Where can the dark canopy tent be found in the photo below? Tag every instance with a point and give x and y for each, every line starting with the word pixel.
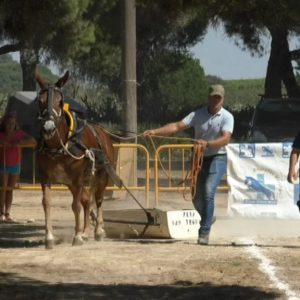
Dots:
pixel 27 110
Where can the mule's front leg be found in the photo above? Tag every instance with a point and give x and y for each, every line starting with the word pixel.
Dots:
pixel 99 230
pixel 76 207
pixel 46 201
pixel 86 203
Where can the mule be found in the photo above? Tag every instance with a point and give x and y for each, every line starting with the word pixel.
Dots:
pixel 78 156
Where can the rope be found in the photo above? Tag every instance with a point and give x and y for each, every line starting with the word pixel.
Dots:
pixel 88 153
pixel 160 163
pixel 196 165
pixel 120 137
pixel 142 135
pixel 91 155
pixel 196 162
pixel 175 138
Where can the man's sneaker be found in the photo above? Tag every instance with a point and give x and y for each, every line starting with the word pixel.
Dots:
pixel 213 220
pixel 203 239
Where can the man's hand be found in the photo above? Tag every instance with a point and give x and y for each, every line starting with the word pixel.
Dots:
pixel 292 176
pixel 298 204
pixel 149 133
pixel 203 143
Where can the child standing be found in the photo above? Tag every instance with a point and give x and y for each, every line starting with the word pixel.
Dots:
pixel 11 137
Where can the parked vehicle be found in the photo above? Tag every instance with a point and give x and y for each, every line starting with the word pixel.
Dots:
pixel 275 120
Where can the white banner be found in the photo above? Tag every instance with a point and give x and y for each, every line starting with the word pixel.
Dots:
pixel 258 187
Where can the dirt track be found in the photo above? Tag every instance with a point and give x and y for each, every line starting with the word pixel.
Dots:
pixel 230 268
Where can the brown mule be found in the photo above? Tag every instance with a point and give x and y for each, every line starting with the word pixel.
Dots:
pixel 79 158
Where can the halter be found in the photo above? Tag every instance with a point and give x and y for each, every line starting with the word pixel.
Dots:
pixel 50 112
pixel 49 117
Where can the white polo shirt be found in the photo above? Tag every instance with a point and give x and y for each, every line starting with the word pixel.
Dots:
pixel 209 127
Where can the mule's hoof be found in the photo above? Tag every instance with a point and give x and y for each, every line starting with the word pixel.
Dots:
pixel 100 236
pixel 77 241
pixel 85 237
pixel 49 244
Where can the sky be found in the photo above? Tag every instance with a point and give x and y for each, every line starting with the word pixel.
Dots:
pixel 219 56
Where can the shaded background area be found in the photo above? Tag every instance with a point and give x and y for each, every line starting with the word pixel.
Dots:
pixel 16 287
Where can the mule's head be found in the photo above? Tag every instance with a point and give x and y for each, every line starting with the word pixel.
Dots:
pixel 50 101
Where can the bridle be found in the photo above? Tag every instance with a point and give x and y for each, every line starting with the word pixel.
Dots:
pixel 49 116
pixel 50 112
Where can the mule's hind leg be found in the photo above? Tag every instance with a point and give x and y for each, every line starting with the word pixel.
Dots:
pixel 76 207
pixel 99 230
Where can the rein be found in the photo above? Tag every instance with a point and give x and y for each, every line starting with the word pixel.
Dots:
pixel 50 111
pixel 50 99
pixel 119 182
pixel 196 167
pixel 196 161
pixel 88 153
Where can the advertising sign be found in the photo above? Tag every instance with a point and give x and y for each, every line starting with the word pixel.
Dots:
pixel 257 177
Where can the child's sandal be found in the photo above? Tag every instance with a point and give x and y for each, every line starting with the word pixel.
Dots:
pixel 2 217
pixel 8 218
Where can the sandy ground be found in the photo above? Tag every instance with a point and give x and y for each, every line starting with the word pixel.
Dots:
pixel 246 259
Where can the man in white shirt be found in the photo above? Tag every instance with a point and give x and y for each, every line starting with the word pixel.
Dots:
pixel 293 166
pixel 213 126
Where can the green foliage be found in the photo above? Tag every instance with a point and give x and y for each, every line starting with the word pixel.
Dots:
pixel 160 26
pixel 55 29
pixel 101 105
pixel 181 87
pixel 101 65
pixel 174 84
pixel 47 73
pixel 11 75
pixel 168 24
pixel 242 93
pixel 185 88
pixel 3 102
pixel 249 22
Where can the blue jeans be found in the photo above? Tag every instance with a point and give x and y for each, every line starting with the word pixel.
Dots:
pixel 212 171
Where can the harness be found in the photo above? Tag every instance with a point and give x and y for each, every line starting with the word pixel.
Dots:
pixel 76 126
pixel 73 143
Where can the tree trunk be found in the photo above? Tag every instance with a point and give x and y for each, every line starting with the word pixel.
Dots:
pixel 28 61
pixel 273 77
pixel 280 68
pixel 289 78
pixel 129 66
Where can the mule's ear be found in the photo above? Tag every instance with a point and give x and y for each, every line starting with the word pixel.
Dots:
pixel 62 81
pixel 42 83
